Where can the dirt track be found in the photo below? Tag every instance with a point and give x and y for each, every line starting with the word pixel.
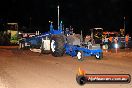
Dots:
pixel 25 69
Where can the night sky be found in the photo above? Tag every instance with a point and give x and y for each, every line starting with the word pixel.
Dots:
pixel 81 14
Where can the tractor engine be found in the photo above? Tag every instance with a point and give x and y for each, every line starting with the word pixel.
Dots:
pixel 73 39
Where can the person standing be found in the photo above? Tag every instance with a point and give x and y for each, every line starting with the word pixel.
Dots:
pixel 110 43
pixel 126 40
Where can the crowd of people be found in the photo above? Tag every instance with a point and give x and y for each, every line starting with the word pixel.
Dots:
pixel 110 40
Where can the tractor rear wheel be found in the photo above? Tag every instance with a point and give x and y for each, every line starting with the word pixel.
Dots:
pixel 57 45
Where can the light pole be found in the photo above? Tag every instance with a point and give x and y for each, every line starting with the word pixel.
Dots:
pixel 58 16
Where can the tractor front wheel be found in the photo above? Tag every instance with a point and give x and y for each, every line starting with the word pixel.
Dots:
pixel 99 56
pixel 80 55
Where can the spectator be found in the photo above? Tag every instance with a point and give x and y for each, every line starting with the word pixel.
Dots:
pixel 110 43
pixel 126 40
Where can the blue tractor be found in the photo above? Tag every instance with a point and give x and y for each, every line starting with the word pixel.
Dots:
pixel 60 42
